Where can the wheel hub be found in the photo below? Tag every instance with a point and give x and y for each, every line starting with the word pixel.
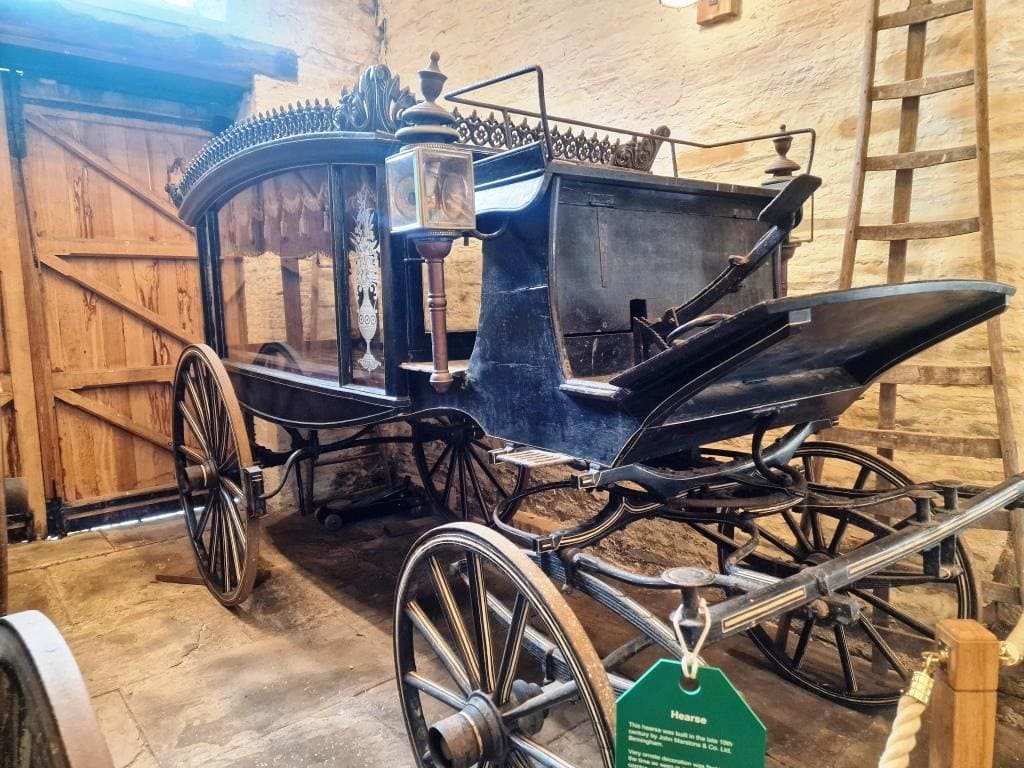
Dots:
pixel 200 477
pixel 472 735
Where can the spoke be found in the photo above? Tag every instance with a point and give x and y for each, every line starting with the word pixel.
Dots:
pixel 225 546
pixel 203 444
pixel 201 406
pixel 444 652
pixel 485 511
pixel 448 481
pixel 214 542
pixel 454 617
pixel 843 646
pixel 893 611
pixel 463 496
pixel 782 545
pixel 862 478
pixel 191 454
pixel 518 760
pixel 801 645
pixel 884 648
pixel 782 632
pixel 817 535
pixel 237 532
pixel 233 488
pixel 490 476
pixel 513 647
pixel 204 517
pixel 481 620
pixel 537 753
pixel 217 412
pixel 808 469
pixel 231 458
pixel 440 458
pixel 434 690
pixel 837 536
pixel 801 539
pixel 551 695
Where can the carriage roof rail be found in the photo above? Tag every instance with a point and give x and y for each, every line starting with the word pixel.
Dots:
pixel 638 153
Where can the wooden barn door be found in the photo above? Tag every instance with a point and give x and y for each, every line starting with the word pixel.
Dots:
pixel 114 292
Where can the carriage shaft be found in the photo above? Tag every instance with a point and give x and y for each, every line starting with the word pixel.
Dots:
pixel 744 612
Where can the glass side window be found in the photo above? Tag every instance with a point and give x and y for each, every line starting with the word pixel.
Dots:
pixel 277 275
pixel 362 250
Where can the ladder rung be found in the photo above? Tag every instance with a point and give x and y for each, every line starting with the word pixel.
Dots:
pixel 920 159
pixel 923 13
pixel 924 230
pixel 923 86
pixel 918 442
pixel 939 375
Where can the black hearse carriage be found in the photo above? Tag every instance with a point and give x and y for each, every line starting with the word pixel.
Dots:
pixel 628 321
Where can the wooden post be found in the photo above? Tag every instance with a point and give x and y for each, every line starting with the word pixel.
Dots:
pixel 16 327
pixel 963 705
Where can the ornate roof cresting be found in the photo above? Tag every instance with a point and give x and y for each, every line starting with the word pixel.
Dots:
pixel 637 153
pixel 376 104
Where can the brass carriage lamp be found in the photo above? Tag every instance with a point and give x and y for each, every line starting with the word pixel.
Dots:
pixel 430 193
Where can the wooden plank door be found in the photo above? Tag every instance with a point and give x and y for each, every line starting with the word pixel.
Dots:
pixel 118 291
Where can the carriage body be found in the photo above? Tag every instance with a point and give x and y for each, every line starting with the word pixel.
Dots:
pixel 627 321
pixel 317 310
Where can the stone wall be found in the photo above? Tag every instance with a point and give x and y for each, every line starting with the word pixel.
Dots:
pixel 640 65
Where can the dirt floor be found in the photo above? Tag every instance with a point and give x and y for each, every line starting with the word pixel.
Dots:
pixel 302 675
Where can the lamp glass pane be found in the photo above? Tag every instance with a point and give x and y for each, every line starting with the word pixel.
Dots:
pixel 401 181
pixel 448 190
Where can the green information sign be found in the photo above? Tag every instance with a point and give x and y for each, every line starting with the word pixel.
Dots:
pixel 660 725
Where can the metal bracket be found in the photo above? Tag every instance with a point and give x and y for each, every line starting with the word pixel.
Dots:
pixel 252 484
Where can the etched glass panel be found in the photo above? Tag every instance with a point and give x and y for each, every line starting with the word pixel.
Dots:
pixel 277 275
pixel 362 249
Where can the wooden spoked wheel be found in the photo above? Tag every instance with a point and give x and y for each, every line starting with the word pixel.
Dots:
pixel 46 716
pixel 211 452
pixel 494 668
pixel 867 661
pixel 451 457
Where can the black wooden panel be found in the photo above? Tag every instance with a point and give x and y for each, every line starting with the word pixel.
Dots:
pixel 618 244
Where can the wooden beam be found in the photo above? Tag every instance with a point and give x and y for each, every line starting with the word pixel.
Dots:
pixel 110 416
pixel 123 249
pixel 918 442
pixel 939 375
pixel 14 255
pixel 57 134
pixel 923 230
pixel 922 13
pixel 145 314
pixel 157 374
pixel 920 159
pixel 923 86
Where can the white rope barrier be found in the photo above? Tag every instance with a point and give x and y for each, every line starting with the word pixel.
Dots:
pixel 903 737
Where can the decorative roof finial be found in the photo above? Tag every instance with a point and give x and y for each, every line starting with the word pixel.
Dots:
pixel 428 122
pixel 782 168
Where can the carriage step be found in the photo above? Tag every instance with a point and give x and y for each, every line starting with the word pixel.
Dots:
pixel 530 458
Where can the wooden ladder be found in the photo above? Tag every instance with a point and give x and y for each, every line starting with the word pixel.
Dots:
pixel 901 230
